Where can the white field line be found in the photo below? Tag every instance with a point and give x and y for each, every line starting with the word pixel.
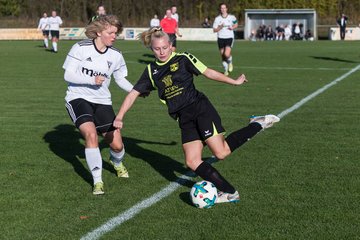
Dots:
pixel 173 186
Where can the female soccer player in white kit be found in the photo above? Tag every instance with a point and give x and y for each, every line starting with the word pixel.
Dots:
pixel 44 27
pixel 224 26
pixel 88 69
pixel 54 23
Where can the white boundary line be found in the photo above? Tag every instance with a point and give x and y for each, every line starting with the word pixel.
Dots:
pixel 173 186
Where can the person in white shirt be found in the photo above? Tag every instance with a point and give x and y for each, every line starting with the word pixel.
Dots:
pixel 54 23
pixel 88 69
pixel 155 21
pixel 287 33
pixel 174 13
pixel 224 26
pixel 44 27
pixel 100 11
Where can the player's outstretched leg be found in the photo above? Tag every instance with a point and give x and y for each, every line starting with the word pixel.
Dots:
pixel 266 121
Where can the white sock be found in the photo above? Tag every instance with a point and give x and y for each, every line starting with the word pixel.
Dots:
pixel 46 42
pixel 94 162
pixel 54 44
pixel 229 60
pixel 226 66
pixel 117 157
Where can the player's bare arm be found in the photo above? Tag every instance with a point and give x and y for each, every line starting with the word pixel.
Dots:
pixel 217 76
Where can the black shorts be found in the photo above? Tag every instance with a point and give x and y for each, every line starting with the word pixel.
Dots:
pixel 225 42
pixel 172 39
pixel 55 33
pixel 81 111
pixel 45 32
pixel 199 121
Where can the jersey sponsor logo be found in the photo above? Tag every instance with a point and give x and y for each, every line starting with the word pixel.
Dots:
pixel 167 81
pixel 109 64
pixel 93 73
pixel 174 67
pixel 89 59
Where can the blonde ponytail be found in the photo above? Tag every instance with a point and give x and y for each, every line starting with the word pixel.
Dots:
pixel 155 32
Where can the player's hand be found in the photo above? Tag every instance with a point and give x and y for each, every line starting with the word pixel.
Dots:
pixel 118 123
pixel 240 80
pixel 99 80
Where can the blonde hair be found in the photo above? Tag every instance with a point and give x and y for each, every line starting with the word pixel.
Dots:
pixel 151 34
pixel 101 23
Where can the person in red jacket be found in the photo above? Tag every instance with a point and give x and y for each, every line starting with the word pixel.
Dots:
pixel 169 25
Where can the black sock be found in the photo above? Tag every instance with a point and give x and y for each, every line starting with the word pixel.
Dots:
pixel 239 137
pixel 209 173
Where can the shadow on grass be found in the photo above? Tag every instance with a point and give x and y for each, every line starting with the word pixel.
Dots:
pixel 64 141
pixel 333 59
pixel 147 61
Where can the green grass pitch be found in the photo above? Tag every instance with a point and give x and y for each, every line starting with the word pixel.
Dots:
pixel 298 180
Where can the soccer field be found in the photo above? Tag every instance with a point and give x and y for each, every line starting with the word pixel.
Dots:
pixel 297 180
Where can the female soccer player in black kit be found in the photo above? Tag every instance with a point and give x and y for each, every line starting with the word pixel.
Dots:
pixel 172 75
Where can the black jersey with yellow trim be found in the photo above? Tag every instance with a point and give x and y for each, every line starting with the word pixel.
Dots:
pixel 174 80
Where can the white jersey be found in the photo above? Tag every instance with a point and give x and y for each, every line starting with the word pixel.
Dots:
pixel 228 21
pixel 84 62
pixel 155 22
pixel 43 24
pixel 175 16
pixel 54 23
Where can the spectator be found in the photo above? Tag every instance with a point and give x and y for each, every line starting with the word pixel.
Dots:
pixel 206 23
pixel 287 32
pixel 280 32
pixel 174 13
pixel 269 33
pixel 342 24
pixel 99 12
pixel 155 22
pixel 297 31
pixel 44 27
pixel 308 35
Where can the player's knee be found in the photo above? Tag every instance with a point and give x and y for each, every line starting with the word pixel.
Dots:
pixel 221 155
pixel 91 138
pixel 192 163
pixel 117 147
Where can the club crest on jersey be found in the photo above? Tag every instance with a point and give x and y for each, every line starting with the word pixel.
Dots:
pixel 174 67
pixel 109 64
pixel 167 81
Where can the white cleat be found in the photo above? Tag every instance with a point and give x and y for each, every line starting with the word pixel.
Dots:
pixel 227 197
pixel 265 121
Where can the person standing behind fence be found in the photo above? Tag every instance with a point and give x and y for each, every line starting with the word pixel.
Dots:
pixel 99 12
pixel 342 23
pixel 54 26
pixel 155 22
pixel 44 27
pixel 224 26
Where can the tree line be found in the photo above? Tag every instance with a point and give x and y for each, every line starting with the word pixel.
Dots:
pixel 26 13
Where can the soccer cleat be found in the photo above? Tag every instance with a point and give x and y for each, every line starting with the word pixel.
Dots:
pixel 227 197
pixel 265 121
pixel 98 188
pixel 121 170
pixel 226 73
pixel 231 67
